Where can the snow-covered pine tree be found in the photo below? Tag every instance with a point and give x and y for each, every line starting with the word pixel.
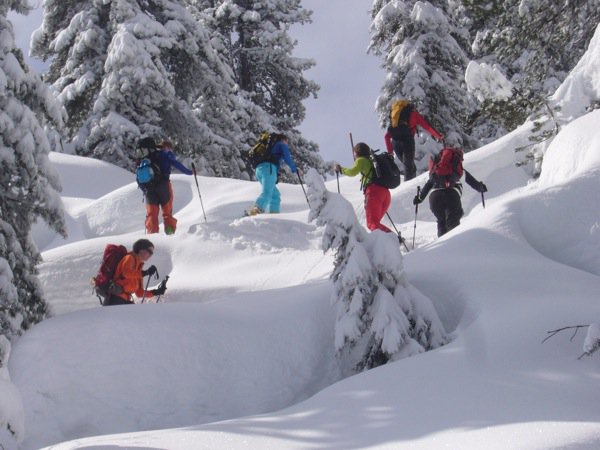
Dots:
pixel 255 40
pixel 29 120
pixel 425 55
pixel 380 316
pixel 125 69
pixel 535 43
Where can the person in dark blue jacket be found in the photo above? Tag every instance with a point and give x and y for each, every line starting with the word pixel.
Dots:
pixel 160 194
pixel 266 172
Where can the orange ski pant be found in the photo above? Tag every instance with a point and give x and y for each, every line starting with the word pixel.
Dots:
pixel 153 206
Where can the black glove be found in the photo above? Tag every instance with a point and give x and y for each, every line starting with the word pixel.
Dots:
pixel 159 291
pixel 417 200
pixel 152 270
pixel 482 187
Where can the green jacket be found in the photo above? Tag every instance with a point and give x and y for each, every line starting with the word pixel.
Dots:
pixel 362 165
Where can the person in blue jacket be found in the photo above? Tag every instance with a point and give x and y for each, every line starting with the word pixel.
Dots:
pixel 160 194
pixel 266 172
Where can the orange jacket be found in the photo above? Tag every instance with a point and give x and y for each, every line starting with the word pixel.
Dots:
pixel 128 275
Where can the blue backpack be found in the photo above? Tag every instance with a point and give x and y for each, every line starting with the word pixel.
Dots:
pixel 148 172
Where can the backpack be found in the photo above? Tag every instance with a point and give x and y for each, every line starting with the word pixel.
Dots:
pixel 261 152
pixel 400 113
pixel 104 286
pixel 445 169
pixel 385 171
pixel 148 171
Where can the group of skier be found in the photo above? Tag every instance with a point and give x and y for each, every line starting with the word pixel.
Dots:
pixel 445 171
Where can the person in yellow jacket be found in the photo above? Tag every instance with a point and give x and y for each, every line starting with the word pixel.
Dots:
pixel 377 198
pixel 130 273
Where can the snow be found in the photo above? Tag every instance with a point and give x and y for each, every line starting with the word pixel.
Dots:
pixel 240 354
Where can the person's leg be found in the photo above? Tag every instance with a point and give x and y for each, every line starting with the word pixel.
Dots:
pixel 405 151
pixel 151 218
pixel 377 201
pixel 275 203
pixel 437 204
pixel 454 210
pixel 169 222
pixel 266 174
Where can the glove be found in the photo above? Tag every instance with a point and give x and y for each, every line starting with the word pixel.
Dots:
pixel 337 168
pixel 417 200
pixel 152 270
pixel 159 291
pixel 482 187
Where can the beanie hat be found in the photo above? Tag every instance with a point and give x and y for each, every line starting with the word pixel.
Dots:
pixel 147 142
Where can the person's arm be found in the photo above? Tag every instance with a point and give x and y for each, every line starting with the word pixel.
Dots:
pixel 474 183
pixel 388 143
pixel 131 276
pixel 361 165
pixel 173 161
pixel 287 157
pixel 423 193
pixel 418 119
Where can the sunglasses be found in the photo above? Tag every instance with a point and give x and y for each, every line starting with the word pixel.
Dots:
pixel 150 251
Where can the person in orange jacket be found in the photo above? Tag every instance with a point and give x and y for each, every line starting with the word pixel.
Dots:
pixel 401 139
pixel 130 273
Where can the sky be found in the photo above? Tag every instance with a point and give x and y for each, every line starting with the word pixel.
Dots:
pixel 239 352
pixel 349 78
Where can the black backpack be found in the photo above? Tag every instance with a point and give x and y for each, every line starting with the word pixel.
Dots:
pixel 385 171
pixel 261 152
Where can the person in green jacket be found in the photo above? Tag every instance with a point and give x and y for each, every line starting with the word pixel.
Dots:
pixel 377 198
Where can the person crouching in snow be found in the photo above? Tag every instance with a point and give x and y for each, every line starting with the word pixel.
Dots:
pixel 267 172
pixel 130 273
pixel 160 194
pixel 377 198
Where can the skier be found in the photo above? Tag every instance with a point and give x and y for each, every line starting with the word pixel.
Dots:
pixel 130 272
pixel 400 135
pixel 267 173
pixel 377 198
pixel 159 195
pixel 445 171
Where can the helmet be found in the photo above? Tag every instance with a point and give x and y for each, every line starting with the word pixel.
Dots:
pixel 147 142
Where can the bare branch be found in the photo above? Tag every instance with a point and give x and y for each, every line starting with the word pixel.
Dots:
pixel 554 332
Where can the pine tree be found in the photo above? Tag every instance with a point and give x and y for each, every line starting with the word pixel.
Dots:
pixel 424 53
pixel 126 69
pixel 255 41
pixel 380 316
pixel 536 43
pixel 29 122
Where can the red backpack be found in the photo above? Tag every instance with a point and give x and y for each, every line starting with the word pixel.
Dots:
pixel 445 169
pixel 104 286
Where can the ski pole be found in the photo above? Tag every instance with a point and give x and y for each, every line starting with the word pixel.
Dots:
pixel 199 194
pixel 483 200
pixel 303 190
pixel 351 141
pixel 145 289
pixel 162 284
pixel 397 232
pixel 337 176
pixel 416 211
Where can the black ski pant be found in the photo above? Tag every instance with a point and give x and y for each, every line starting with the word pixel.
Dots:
pixel 116 300
pixel 404 147
pixel 446 206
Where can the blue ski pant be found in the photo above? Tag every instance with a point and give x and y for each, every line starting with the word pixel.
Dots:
pixel 269 199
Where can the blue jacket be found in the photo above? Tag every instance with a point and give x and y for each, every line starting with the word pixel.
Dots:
pixel 282 152
pixel 167 159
